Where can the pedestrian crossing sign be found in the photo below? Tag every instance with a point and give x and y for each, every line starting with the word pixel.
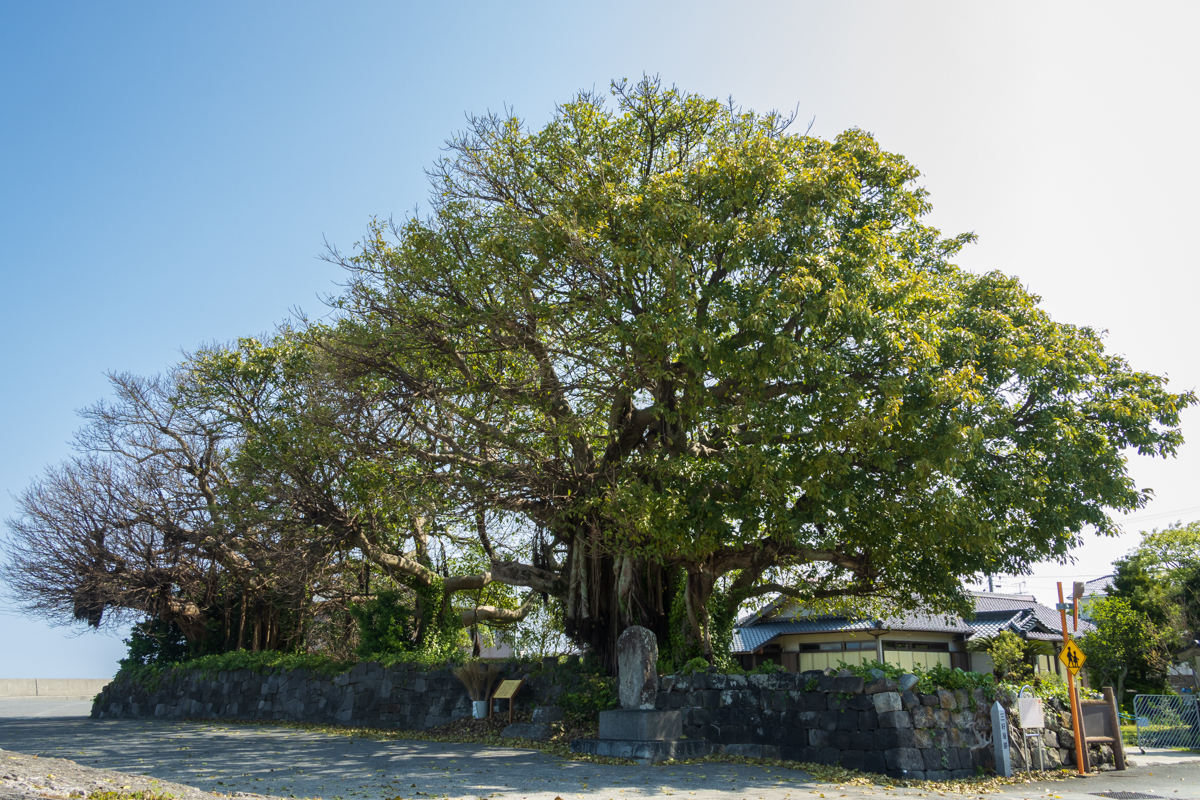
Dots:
pixel 1072 657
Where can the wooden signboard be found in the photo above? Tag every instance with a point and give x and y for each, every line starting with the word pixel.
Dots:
pixel 507 690
pixel 1101 725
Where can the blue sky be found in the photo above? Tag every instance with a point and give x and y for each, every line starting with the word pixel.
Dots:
pixel 170 171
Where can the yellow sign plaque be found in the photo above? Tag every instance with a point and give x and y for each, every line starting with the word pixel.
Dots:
pixel 1072 657
pixel 507 690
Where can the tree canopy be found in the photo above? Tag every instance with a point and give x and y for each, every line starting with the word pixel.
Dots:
pixel 658 358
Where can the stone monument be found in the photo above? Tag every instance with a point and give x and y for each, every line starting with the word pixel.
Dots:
pixel 1000 740
pixel 637 730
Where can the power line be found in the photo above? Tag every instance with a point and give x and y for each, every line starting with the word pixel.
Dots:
pixel 1161 514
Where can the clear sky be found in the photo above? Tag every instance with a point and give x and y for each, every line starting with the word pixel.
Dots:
pixel 169 171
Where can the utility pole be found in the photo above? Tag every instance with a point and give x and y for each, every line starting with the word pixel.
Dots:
pixel 1076 722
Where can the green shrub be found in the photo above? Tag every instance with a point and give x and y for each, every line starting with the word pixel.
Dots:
pixel 386 625
pixel 156 643
pixel 766 668
pixel 593 694
pixel 697 664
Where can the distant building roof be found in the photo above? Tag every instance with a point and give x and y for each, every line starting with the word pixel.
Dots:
pixel 1099 586
pixel 757 630
pixel 1021 614
pixel 994 612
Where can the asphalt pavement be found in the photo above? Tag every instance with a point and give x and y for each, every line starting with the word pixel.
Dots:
pixel 294 763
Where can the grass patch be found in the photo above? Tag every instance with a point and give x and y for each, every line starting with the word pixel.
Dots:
pixel 143 794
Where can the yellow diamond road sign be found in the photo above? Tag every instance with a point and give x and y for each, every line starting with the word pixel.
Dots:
pixel 1072 656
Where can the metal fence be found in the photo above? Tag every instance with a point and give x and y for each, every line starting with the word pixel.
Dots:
pixel 1167 720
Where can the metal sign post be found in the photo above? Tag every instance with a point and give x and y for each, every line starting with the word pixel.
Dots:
pixel 1073 666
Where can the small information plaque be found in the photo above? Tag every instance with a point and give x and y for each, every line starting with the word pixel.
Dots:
pixel 507 690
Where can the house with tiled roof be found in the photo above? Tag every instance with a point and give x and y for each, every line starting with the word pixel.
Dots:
pixel 1024 616
pixel 796 638
pixel 799 639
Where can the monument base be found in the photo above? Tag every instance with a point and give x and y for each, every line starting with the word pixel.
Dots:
pixel 641 725
pixel 647 752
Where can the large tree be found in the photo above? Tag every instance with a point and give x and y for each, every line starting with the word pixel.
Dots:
pixel 713 360
pixel 644 364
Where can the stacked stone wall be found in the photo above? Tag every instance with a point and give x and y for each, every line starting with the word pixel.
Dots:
pixel 367 695
pixel 878 726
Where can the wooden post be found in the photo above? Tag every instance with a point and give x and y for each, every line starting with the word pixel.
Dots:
pixel 1076 720
pixel 1118 743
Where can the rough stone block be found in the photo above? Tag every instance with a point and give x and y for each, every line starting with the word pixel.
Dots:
pixel 880 685
pixel 904 758
pixel 544 715
pixel 892 738
pixel 936 759
pixel 874 761
pixel 887 702
pixel 907 681
pixel 852 759
pixel 641 725
pixel 910 700
pixel 861 702
pixel 929 700
pixel 862 740
pixel 829 755
pixel 946 699
pixel 895 719
pixel 868 720
pixel 849 685
pixel 937 774
pixel 922 717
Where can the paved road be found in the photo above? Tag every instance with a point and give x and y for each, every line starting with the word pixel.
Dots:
pixel 43 707
pixel 290 763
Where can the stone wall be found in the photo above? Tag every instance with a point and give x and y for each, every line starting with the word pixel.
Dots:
pixel 368 695
pixel 813 717
pixel 877 726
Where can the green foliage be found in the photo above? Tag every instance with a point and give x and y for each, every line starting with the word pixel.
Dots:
pixel 866 668
pixel 1161 578
pixel 154 643
pixel 694 665
pixel 928 680
pixel 593 694
pixel 767 668
pixel 386 626
pixel 1010 655
pixel 141 794
pixel 1126 644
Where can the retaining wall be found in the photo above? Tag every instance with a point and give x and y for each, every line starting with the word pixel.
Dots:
pixel 368 695
pixel 60 688
pixel 871 726
pixel 809 717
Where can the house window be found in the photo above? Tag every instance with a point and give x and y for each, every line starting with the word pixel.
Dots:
pixel 910 655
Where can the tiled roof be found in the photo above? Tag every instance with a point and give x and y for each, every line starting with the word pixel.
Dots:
pixel 1021 614
pixel 994 613
pixel 749 637
pixel 1099 585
